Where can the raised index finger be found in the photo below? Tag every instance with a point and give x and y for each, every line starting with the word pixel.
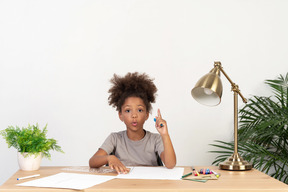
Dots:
pixel 159 114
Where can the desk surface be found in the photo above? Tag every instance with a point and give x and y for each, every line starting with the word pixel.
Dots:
pixel 239 181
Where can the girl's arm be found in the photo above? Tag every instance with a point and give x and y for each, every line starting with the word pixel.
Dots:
pixel 168 156
pixel 101 158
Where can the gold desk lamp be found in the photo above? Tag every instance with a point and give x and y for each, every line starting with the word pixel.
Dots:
pixel 208 91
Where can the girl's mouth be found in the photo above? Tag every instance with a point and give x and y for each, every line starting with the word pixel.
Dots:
pixel 134 123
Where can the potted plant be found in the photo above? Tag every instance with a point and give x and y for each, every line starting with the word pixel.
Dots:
pixel 31 143
pixel 263 132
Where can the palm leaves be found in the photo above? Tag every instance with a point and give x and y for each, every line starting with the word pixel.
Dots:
pixel 263 132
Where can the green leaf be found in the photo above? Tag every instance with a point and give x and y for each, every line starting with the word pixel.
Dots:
pixel 30 139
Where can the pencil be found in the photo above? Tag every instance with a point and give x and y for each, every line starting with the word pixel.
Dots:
pixel 187 175
pixel 27 177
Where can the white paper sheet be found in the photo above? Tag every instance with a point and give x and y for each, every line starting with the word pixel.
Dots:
pixel 68 181
pixel 153 173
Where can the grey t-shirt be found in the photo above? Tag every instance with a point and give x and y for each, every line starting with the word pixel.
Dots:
pixel 134 153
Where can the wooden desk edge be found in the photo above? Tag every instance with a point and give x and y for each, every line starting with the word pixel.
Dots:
pixel 264 181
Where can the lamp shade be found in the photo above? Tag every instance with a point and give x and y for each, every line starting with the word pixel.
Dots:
pixel 208 90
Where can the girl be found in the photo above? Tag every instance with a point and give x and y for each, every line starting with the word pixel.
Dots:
pixel 132 96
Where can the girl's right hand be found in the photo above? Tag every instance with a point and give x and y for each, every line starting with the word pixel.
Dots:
pixel 116 164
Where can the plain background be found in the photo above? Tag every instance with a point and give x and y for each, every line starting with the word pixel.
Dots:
pixel 57 57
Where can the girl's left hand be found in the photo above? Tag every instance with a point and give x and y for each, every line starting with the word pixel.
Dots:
pixel 161 124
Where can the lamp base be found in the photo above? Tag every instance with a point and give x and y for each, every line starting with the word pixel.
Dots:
pixel 235 163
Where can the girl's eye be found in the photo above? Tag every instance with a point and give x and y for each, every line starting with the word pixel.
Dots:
pixel 140 110
pixel 127 110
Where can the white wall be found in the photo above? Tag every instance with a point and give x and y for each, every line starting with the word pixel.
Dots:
pixel 56 59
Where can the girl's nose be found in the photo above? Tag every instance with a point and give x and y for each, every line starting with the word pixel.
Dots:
pixel 134 115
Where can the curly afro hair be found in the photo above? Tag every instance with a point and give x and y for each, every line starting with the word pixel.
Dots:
pixel 132 85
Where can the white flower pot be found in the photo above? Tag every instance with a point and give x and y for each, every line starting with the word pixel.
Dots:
pixel 29 162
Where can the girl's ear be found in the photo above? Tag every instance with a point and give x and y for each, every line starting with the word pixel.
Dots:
pixel 147 116
pixel 120 115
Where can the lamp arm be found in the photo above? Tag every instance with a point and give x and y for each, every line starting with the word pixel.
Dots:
pixel 235 87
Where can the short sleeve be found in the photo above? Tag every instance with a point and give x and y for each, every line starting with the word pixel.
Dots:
pixel 109 144
pixel 159 147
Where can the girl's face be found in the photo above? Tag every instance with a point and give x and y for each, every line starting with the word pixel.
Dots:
pixel 133 113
